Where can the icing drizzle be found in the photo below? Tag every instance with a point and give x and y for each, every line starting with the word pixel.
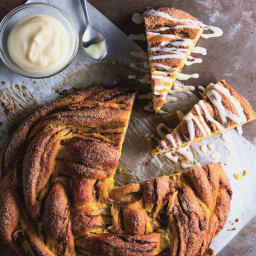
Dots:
pixel 173 46
pixel 203 120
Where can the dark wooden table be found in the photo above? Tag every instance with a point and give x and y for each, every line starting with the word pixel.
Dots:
pixel 119 12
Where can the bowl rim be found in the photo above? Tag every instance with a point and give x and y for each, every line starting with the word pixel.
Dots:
pixel 64 14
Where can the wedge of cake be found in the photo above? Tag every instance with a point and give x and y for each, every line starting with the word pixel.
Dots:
pixel 171 36
pixel 222 108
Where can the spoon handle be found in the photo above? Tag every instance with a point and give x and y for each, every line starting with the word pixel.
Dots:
pixel 85 9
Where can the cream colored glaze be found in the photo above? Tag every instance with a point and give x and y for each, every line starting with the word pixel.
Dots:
pixel 38 43
pixel 211 146
pixel 137 18
pixel 160 130
pixel 96 51
pixel 213 94
pixel 199 50
pixel 239 130
pixel 216 32
pixel 215 156
pixel 182 76
pixel 137 37
pixel 192 60
pixel 203 148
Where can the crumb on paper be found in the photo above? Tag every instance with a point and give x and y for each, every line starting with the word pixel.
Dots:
pixel 238 176
pixel 236 220
pixel 245 173
pixel 120 170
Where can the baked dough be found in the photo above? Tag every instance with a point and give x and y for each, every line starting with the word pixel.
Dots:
pixel 222 108
pixel 171 35
pixel 57 194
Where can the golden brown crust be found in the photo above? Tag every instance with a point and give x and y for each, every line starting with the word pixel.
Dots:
pixel 76 141
pixel 187 208
pixel 216 126
pixel 181 31
pixel 69 206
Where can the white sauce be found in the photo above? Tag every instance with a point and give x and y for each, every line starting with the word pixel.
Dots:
pixel 216 32
pixel 215 156
pixel 97 51
pixel 199 50
pixel 138 67
pixel 191 60
pixel 211 146
pixel 223 137
pixel 203 148
pixel 179 114
pixel 39 43
pixel 201 88
pixel 239 130
pixel 131 77
pixel 182 76
pixel 137 18
pixel 181 88
pixel 172 157
pixel 171 99
pixel 137 37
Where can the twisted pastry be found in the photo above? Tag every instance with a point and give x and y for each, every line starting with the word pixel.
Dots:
pixel 57 196
pixel 57 169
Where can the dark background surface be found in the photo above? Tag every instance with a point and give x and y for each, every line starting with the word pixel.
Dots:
pixel 240 61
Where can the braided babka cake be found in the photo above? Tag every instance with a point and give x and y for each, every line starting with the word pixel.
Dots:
pixel 57 194
pixel 171 35
pixel 222 108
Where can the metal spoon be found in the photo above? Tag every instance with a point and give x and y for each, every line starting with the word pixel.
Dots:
pixel 93 41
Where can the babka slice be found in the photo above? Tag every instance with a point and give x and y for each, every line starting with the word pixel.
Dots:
pixel 171 36
pixel 222 108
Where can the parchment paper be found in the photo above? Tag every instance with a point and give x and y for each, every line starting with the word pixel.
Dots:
pixel 19 96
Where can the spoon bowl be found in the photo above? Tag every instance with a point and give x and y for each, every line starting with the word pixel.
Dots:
pixel 93 41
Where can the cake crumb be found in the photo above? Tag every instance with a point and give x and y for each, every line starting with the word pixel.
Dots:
pixel 238 176
pixel 120 170
pixel 245 173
